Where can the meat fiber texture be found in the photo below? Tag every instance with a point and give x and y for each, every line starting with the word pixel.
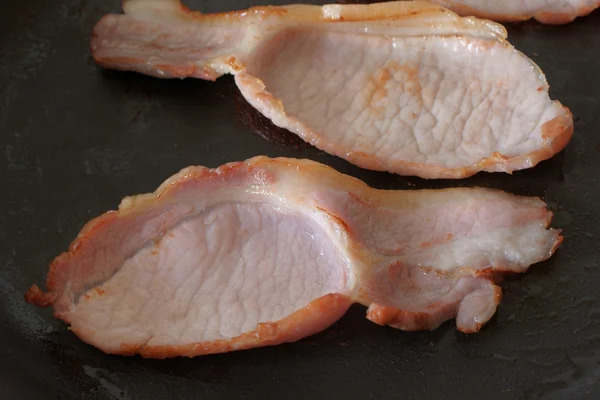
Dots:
pixel 405 87
pixel 554 12
pixel 267 251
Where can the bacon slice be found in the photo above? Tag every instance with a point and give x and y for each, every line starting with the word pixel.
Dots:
pixel 554 12
pixel 268 251
pixel 405 87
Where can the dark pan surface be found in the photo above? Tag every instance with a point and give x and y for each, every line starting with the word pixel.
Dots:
pixel 74 140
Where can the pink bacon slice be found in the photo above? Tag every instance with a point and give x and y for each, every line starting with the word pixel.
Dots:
pixel 554 12
pixel 405 87
pixel 267 251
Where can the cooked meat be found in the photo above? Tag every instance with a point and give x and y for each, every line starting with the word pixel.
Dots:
pixel 545 11
pixel 405 87
pixel 267 251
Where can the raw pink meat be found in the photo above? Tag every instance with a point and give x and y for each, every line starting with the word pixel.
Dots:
pixel 268 251
pixel 405 87
pixel 546 11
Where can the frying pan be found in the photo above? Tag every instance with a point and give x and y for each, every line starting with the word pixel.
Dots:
pixel 76 139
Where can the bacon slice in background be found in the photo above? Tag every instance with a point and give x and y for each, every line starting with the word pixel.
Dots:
pixel 556 12
pixel 405 87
